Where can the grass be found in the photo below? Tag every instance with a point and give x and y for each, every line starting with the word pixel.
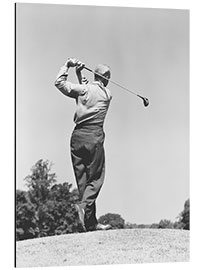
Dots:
pixel 123 246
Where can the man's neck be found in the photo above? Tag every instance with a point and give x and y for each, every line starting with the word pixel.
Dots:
pixel 99 82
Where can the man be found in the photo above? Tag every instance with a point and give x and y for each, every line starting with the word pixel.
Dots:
pixel 87 151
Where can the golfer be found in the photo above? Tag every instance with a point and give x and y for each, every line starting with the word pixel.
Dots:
pixel 87 150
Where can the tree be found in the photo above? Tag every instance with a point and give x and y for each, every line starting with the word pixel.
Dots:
pixel 129 225
pixel 178 225
pixel 46 208
pixel 165 224
pixel 26 220
pixel 184 216
pixel 40 181
pixel 154 226
pixel 115 220
pixel 60 214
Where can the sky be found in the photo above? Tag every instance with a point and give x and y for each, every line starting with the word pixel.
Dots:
pixel 147 149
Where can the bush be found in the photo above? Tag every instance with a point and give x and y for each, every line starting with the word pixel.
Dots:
pixel 26 220
pixel 165 224
pixel 46 208
pixel 154 226
pixel 115 220
pixel 129 225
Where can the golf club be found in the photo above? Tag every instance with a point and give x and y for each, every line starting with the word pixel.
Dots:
pixel 145 100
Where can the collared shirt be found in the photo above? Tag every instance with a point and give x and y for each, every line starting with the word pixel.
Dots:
pixel 92 100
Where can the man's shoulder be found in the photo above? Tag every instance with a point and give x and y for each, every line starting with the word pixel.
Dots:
pixel 93 86
pixel 108 92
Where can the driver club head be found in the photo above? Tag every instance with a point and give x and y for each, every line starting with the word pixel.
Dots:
pixel 145 100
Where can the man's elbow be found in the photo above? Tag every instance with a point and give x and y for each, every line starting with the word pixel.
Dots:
pixel 56 83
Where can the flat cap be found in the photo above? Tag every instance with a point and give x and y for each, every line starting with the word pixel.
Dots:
pixel 102 69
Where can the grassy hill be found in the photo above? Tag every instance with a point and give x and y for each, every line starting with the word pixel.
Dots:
pixel 105 247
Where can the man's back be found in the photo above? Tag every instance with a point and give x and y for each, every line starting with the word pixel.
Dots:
pixel 92 106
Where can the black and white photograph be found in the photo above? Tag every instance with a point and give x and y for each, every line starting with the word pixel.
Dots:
pixel 102 135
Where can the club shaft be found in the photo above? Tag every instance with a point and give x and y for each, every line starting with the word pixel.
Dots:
pixel 126 89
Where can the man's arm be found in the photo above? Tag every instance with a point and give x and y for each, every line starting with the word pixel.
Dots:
pixel 67 88
pixel 82 79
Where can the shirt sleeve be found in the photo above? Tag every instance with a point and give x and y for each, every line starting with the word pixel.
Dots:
pixel 67 88
pixel 109 94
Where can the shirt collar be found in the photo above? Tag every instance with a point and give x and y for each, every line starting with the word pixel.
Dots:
pixel 102 87
pixel 97 82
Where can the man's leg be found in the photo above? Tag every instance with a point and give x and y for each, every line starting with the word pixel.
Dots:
pixel 88 159
pixel 80 173
pixel 81 179
pixel 95 179
pixel 77 156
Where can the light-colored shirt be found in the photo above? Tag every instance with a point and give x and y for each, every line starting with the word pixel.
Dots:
pixel 92 99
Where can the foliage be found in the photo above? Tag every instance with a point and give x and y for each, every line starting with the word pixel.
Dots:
pixel 182 223
pixel 184 217
pixel 46 208
pixel 165 224
pixel 115 220
pixel 178 225
pixel 26 225
pixel 40 181
pixel 154 226
pixel 58 216
pixel 129 225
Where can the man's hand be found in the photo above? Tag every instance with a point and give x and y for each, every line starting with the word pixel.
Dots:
pixel 72 62
pixel 79 67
